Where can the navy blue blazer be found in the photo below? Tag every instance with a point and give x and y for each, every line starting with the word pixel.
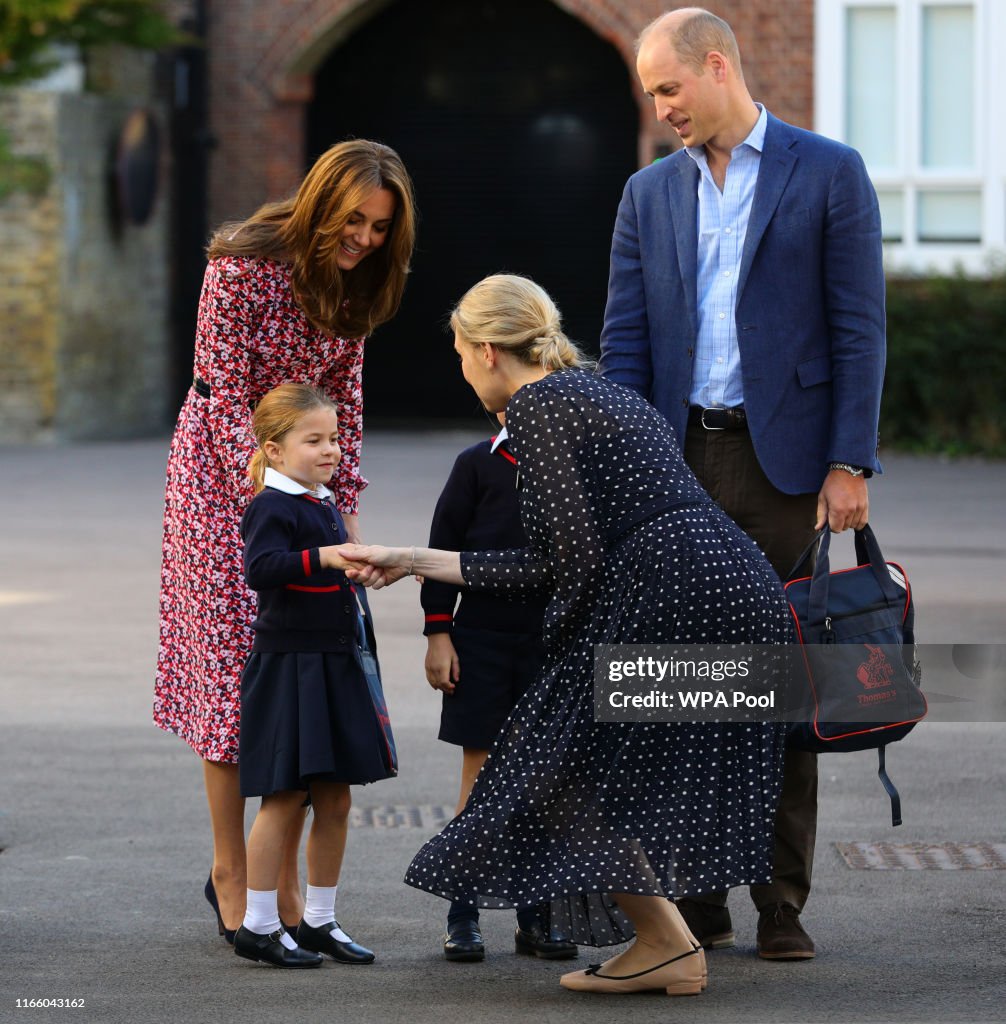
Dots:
pixel 810 303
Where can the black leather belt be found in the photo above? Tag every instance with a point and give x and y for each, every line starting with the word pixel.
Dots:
pixel 204 390
pixel 718 418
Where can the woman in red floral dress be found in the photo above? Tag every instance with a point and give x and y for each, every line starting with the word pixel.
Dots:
pixel 288 295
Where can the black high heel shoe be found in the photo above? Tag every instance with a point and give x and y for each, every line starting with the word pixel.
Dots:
pixel 210 893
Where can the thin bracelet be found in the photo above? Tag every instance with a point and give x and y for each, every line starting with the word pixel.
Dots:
pixel 413 562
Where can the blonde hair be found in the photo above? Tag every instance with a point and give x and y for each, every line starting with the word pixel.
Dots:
pixel 694 36
pixel 305 231
pixel 276 415
pixel 514 314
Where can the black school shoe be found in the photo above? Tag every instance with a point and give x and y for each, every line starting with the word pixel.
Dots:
pixel 535 941
pixel 463 941
pixel 268 949
pixel 321 940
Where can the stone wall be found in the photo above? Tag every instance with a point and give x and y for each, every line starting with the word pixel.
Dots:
pixel 30 256
pixel 83 297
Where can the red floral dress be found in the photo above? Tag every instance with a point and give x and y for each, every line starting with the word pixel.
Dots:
pixel 251 336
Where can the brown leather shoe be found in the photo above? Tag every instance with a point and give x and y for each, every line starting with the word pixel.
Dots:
pixel 710 924
pixel 780 934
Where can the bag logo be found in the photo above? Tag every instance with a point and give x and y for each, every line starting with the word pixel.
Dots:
pixel 874 673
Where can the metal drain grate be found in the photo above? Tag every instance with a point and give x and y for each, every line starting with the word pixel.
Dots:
pixel 429 817
pixel 924 856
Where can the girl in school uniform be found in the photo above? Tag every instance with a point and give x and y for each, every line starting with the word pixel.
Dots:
pixel 308 723
pixel 483 653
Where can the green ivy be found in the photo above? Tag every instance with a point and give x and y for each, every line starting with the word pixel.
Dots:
pixel 29 174
pixel 946 365
pixel 28 27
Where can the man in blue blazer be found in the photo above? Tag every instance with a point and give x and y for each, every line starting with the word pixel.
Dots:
pixel 746 301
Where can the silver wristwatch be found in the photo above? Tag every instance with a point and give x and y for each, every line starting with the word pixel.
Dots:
pixel 852 470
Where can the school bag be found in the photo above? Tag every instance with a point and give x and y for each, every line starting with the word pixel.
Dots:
pixel 366 651
pixel 861 672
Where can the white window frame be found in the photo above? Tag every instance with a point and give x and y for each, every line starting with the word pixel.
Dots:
pixel 989 88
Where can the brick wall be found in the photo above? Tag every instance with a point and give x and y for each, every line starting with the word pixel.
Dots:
pixel 262 54
pixel 84 344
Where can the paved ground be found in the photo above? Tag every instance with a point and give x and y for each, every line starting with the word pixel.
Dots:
pixel 105 835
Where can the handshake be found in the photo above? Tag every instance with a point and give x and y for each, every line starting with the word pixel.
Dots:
pixel 372 565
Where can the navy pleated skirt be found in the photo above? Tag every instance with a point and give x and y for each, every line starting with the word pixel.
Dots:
pixel 307 717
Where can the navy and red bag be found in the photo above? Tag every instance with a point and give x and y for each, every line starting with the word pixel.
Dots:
pixel 366 649
pixel 857 632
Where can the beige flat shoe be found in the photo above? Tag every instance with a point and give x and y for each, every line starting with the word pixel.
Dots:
pixel 682 975
pixel 705 970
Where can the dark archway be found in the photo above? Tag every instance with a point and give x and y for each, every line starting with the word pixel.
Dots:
pixel 519 127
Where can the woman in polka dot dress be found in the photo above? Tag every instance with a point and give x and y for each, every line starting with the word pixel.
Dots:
pixel 288 296
pixel 602 820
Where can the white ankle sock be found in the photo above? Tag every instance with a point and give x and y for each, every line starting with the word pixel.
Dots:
pixel 319 908
pixel 262 915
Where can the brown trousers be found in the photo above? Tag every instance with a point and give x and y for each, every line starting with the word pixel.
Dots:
pixel 782 525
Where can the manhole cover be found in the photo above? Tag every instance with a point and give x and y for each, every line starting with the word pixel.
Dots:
pixel 924 856
pixel 429 817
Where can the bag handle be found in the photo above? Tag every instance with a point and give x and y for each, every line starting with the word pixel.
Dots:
pixel 806 553
pixel 867 553
pixel 868 550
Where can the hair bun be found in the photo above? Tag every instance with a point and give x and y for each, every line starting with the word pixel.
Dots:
pixel 514 314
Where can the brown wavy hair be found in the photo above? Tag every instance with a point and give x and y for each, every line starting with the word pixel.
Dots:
pixel 305 231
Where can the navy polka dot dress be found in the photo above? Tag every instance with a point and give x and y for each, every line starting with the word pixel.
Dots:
pixel 568 810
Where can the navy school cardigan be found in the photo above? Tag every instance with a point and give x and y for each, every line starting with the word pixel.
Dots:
pixel 301 606
pixel 478 511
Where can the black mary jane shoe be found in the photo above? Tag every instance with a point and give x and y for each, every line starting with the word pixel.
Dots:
pixel 463 942
pixel 268 949
pixel 322 940
pixel 535 941
pixel 210 892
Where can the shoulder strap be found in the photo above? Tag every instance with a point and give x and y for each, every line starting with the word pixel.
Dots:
pixel 889 786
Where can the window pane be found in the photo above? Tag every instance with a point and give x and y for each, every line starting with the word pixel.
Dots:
pixel 892 214
pixel 948 91
pixel 871 96
pixel 950 216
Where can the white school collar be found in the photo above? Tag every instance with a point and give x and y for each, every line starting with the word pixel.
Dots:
pixel 280 482
pixel 499 439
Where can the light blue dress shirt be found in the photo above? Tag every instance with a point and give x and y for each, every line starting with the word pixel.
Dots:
pixel 723 225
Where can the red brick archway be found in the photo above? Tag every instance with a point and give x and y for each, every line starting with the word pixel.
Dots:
pixel 264 52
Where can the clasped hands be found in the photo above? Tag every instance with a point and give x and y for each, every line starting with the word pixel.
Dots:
pixel 370 565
